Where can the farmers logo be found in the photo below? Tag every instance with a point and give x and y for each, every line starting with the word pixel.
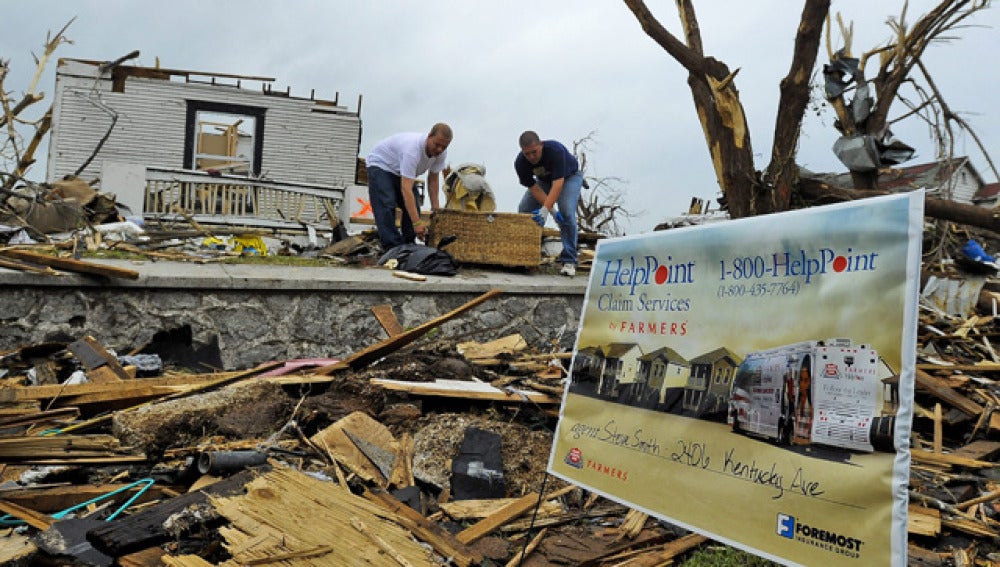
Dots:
pixel 574 458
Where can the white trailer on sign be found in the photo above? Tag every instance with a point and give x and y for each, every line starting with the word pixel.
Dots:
pixel 823 392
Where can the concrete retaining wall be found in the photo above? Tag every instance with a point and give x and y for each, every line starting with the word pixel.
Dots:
pixel 255 318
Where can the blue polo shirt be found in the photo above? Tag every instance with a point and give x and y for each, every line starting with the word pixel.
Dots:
pixel 556 163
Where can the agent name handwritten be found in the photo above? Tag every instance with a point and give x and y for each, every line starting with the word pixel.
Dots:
pixel 697 455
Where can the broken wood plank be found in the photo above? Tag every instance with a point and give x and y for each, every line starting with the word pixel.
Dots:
pixel 40 417
pixel 498 518
pixel 13 264
pixel 465 389
pixel 181 560
pixel 971 527
pixel 520 555
pixel 49 392
pixel 368 355
pixel 31 517
pixel 920 557
pixel 92 355
pixel 335 439
pixel 981 450
pixel 409 276
pixel 65 448
pixel 937 387
pixel 491 350
pixel 297 513
pixel 924 521
pixel 665 554
pixel 947 459
pixel 103 375
pixel 387 318
pixel 425 530
pixel 379 542
pixel 52 499
pixel 15 549
pixel 938 430
pixel 152 557
pixel 479 509
pixel 70 265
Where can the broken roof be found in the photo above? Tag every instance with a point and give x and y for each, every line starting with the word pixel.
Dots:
pixel 120 72
pixel 900 179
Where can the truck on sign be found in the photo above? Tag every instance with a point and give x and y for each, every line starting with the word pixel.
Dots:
pixel 823 392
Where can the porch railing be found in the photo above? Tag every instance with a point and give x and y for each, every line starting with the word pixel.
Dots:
pixel 229 199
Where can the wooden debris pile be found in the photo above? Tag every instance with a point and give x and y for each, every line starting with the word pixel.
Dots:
pixel 304 463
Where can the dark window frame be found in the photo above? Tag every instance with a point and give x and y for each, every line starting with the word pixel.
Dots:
pixel 190 128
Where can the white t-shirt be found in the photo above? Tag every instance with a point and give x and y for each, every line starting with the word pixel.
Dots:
pixel 405 155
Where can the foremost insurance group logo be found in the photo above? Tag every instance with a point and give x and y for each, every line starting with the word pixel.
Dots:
pixel 827 540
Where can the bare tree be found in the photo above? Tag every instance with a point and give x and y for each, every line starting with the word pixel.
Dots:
pixel 16 156
pixel 864 120
pixel 747 191
pixel 602 201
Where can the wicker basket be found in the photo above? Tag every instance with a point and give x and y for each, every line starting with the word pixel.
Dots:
pixel 503 239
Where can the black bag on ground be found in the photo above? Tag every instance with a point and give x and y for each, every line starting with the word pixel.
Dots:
pixel 421 259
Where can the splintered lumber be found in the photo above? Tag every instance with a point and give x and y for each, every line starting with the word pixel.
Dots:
pixel 287 512
pixel 917 555
pixel 368 355
pixel 498 518
pixel 135 532
pixel 387 318
pixel 14 547
pixel 70 265
pixel 544 521
pixel 924 521
pixel 519 557
pixel 53 499
pixel 940 389
pixel 31 517
pixel 178 560
pixel 347 452
pixel 949 460
pixel 426 530
pixel 38 417
pixel 66 448
pixel 118 391
pixel 381 543
pixel 92 355
pixel 24 267
pixel 509 344
pixel 467 390
pixel 971 527
pixel 409 276
pixel 667 552
pixel 478 509
pixel 980 450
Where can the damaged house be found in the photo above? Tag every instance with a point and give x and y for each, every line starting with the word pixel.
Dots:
pixel 955 179
pixel 223 148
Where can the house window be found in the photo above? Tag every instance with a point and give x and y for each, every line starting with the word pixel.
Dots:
pixel 224 137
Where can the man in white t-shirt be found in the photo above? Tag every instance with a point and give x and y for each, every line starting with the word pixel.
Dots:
pixel 393 166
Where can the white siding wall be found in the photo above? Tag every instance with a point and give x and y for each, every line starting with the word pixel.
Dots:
pixel 966 185
pixel 300 145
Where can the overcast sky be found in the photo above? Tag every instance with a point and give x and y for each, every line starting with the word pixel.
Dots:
pixel 491 69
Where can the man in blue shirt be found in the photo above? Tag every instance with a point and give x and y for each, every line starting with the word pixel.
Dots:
pixel 552 176
pixel 393 166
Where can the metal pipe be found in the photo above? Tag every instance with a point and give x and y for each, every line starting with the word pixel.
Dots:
pixel 228 461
